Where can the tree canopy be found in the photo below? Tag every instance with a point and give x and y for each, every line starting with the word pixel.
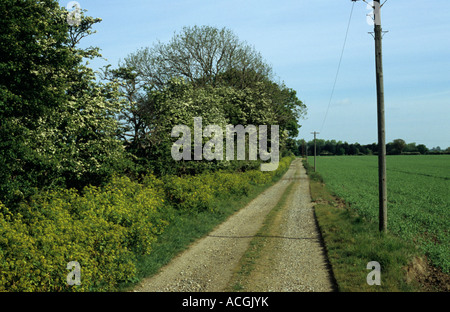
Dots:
pixel 200 72
pixel 58 126
pixel 198 54
pixel 61 126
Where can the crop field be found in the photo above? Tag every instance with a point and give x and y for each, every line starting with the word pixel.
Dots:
pixel 418 196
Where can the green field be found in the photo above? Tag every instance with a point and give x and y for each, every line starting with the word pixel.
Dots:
pixel 418 196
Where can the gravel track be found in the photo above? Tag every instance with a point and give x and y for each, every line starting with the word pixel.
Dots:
pixel 208 264
pixel 293 259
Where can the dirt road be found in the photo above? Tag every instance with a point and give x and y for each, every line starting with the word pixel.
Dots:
pixel 293 260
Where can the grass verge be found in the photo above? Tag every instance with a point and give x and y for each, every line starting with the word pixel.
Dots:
pixel 352 242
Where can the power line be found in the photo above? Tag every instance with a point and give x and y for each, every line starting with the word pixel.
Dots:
pixel 339 66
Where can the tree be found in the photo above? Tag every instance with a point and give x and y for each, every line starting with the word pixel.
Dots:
pixel 399 145
pixel 177 104
pixel 422 149
pixel 58 124
pixel 202 56
pixel 137 105
pixel 199 55
pixel 346 148
pixel 396 147
pixel 340 151
pixel 410 148
pixel 372 148
pixel 287 107
pixel 282 101
pixel 35 57
pixel 83 135
pixel 330 146
pixel 363 149
pixel 353 150
pixel 199 62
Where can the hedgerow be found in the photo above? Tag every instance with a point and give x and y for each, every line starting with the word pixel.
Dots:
pixel 104 229
pixel 195 193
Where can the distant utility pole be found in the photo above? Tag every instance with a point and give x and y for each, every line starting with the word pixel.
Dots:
pixel 304 152
pixel 382 186
pixel 315 133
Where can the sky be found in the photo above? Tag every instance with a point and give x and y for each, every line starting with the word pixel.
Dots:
pixel 302 41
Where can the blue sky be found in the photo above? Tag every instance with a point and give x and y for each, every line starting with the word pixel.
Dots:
pixel 302 41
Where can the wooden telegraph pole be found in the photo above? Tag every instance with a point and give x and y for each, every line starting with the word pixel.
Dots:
pixel 382 185
pixel 315 133
pixel 381 121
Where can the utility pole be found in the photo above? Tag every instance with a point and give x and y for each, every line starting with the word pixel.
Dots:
pixel 381 121
pixel 382 185
pixel 304 150
pixel 315 133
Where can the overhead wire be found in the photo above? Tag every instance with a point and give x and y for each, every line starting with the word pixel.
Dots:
pixel 339 66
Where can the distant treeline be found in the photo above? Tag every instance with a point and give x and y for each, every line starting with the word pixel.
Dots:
pixel 333 147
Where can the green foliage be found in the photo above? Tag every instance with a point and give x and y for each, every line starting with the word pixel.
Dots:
pixel 202 72
pixel 195 193
pixel 339 148
pixel 35 60
pixel 79 141
pixel 418 199
pixel 66 140
pixel 58 125
pixel 352 242
pixel 178 103
pixel 35 56
pixel 190 193
pixel 106 229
